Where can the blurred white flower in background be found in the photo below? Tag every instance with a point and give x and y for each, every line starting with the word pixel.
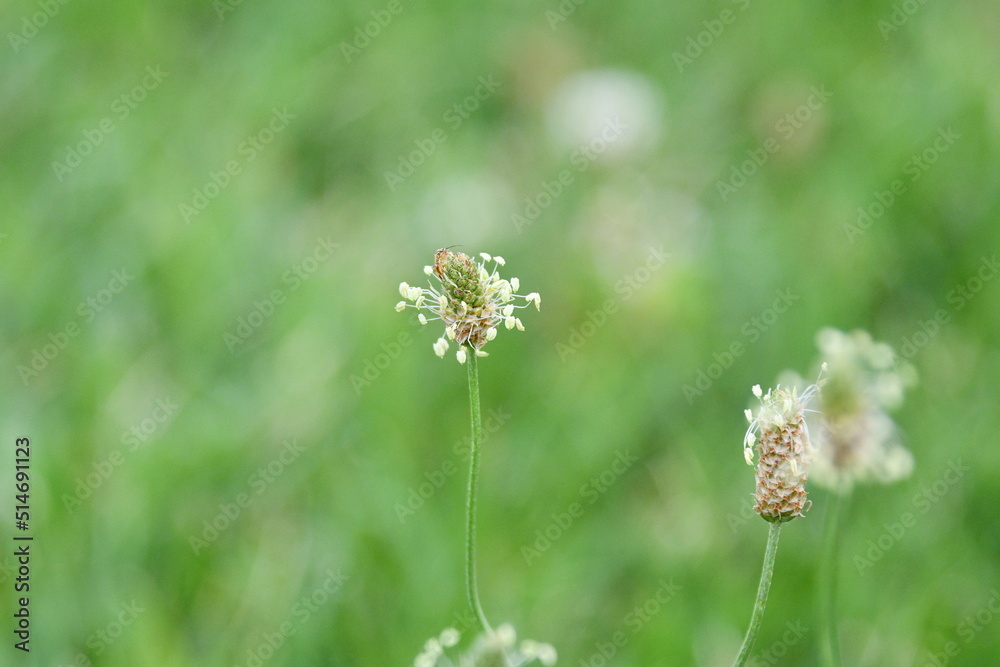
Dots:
pixel 856 440
pixel 623 108
pixel 468 207
pixel 628 213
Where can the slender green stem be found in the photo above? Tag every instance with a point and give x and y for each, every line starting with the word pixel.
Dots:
pixel 470 505
pixel 762 591
pixel 829 565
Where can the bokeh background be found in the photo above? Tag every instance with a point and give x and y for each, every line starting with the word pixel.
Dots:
pixel 245 168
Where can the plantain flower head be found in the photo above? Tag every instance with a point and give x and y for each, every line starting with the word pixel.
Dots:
pixel 495 648
pixel 857 440
pixel 471 300
pixel 779 436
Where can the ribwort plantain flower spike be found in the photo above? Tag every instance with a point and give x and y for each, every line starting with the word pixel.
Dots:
pixel 469 298
pixel 854 441
pixel 778 435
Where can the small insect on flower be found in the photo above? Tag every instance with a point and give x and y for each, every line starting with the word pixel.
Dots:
pixel 469 299
pixel 440 261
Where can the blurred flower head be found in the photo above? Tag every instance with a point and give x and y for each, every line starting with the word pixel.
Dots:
pixel 495 648
pixel 586 105
pixel 857 440
pixel 782 442
pixel 471 300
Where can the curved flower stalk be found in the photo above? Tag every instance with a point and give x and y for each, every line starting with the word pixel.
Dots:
pixel 779 437
pixel 497 648
pixel 472 301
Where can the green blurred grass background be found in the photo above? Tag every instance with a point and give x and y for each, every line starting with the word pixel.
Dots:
pixel 365 445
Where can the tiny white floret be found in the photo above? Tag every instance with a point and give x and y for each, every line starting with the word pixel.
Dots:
pixel 449 637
